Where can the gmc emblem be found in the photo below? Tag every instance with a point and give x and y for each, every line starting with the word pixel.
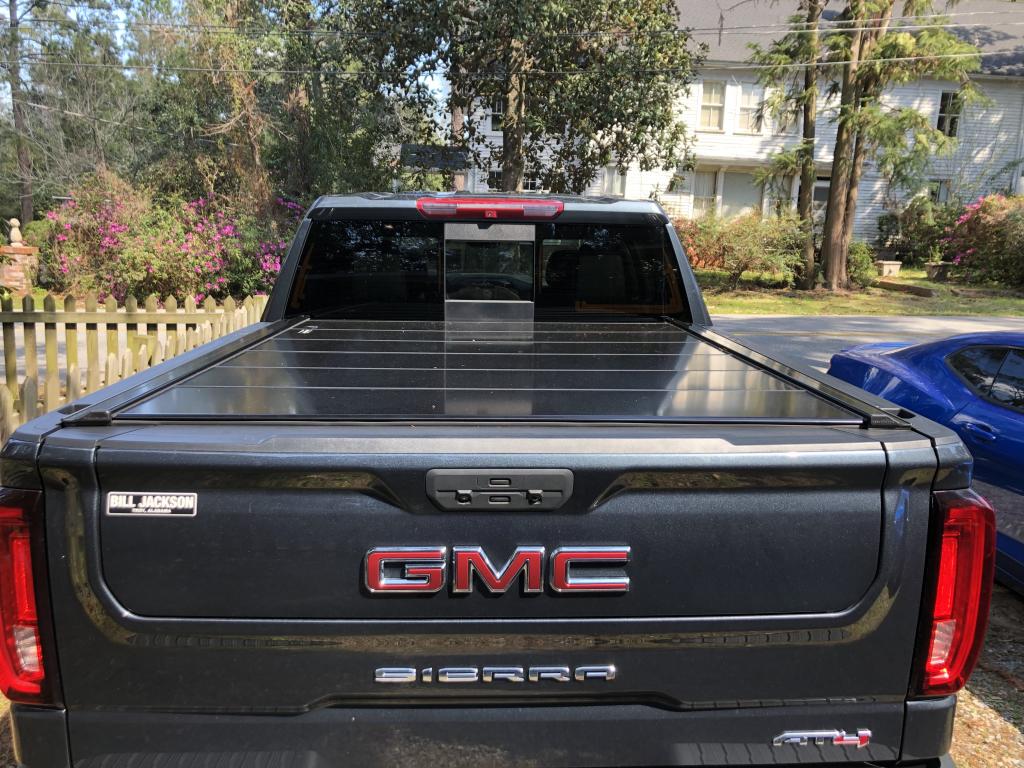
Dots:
pixel 424 570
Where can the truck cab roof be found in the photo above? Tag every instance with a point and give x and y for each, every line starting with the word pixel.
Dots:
pixel 574 207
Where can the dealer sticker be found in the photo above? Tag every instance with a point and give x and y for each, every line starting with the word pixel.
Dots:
pixel 152 504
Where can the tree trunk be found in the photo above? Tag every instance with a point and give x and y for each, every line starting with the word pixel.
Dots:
pixel 514 122
pixel 832 255
pixel 808 173
pixel 298 100
pixel 457 140
pixel 852 193
pixel 18 112
pixel 867 89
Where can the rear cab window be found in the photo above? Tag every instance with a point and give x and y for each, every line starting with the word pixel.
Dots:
pixel 407 269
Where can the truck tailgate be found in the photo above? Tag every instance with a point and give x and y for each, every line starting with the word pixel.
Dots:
pixel 769 567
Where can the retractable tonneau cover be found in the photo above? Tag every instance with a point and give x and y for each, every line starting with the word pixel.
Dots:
pixel 351 369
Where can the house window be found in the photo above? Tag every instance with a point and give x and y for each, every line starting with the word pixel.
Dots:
pixel 938 191
pixel 533 185
pixel 750 106
pixel 712 106
pixel 612 182
pixel 740 194
pixel 950 106
pixel 494 180
pixel 497 113
pixel 704 193
pixel 819 200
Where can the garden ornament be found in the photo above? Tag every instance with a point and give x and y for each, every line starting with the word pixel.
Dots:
pixel 15 232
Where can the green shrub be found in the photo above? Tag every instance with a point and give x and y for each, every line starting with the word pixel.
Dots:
pixel 914 236
pixel 860 264
pixel 747 243
pixel 986 243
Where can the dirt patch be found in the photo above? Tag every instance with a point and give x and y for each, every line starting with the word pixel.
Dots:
pixel 6 747
pixel 989 731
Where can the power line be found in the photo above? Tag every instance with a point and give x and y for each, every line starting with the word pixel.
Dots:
pixel 484 75
pixel 834 25
pixel 256 33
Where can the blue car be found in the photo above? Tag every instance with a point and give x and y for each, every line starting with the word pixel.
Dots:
pixel 974 384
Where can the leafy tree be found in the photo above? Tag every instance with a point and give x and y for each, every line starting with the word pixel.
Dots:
pixel 582 84
pixel 794 98
pixel 238 101
pixel 859 59
pixel 69 110
pixel 15 15
pixel 877 55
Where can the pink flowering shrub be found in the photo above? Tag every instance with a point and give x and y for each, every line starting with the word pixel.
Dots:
pixel 986 242
pixel 116 240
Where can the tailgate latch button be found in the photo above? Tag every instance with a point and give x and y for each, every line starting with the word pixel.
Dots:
pixel 464 497
pixel 534 497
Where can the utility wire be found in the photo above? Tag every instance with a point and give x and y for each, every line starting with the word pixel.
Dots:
pixel 485 75
pixel 256 33
pixel 761 29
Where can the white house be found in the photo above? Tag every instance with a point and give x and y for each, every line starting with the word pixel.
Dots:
pixel 731 144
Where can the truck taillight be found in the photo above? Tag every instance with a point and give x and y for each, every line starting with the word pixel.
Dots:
pixel 488 208
pixel 21 653
pixel 963 591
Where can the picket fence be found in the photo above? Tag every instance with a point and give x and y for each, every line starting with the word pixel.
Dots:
pixel 135 339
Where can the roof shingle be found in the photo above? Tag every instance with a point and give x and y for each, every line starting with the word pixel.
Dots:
pixel 995 26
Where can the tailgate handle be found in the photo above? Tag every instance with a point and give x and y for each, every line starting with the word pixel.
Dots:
pixel 504 489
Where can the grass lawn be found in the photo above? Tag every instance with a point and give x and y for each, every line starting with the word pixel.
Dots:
pixel 756 296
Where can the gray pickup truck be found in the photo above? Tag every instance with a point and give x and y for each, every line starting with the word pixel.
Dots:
pixel 485 488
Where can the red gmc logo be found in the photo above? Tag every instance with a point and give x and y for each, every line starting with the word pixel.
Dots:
pixel 424 570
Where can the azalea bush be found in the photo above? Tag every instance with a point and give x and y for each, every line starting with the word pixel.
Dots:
pixel 986 242
pixel 747 243
pixel 117 240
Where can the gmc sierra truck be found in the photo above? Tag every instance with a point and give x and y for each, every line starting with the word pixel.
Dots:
pixel 486 488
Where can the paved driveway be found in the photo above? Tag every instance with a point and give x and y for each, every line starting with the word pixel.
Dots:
pixel 812 340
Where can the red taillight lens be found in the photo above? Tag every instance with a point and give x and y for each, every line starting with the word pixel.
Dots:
pixel 963 591
pixel 21 653
pixel 488 208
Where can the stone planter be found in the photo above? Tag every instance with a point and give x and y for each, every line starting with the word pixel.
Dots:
pixel 938 270
pixel 888 268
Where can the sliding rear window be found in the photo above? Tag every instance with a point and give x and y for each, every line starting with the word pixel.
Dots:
pixel 373 269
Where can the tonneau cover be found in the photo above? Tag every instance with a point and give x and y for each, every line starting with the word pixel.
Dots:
pixel 557 371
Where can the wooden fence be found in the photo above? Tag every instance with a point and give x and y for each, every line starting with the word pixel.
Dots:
pixel 116 342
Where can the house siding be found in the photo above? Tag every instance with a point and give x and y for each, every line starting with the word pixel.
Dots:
pixel 987 158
